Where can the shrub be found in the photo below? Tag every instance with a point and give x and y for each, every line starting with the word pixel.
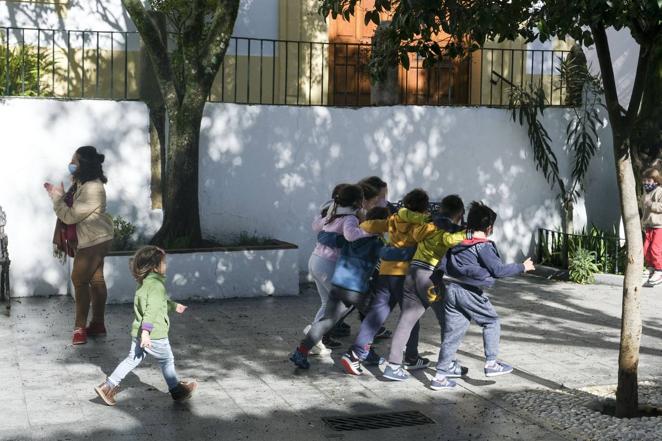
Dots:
pixel 582 266
pixel 124 231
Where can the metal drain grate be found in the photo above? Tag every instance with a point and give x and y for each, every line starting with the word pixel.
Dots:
pixel 377 421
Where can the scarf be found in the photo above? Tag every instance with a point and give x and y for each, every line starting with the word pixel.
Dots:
pixel 65 238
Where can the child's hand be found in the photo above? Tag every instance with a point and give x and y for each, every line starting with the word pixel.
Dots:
pixel 180 308
pixel 145 340
pixel 528 265
pixel 54 191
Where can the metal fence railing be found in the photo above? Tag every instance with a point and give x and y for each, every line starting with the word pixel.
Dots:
pixel 107 65
pixel 556 248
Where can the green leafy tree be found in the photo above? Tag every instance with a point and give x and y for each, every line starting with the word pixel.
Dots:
pixel 186 55
pixel 471 24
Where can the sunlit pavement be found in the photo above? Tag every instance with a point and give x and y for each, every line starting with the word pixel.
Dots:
pixel 554 333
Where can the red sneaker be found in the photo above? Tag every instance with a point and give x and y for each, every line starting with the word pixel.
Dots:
pixel 96 330
pixel 80 336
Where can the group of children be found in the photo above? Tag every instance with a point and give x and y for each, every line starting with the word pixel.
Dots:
pixel 372 256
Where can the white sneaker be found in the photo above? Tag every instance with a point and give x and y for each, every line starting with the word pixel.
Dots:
pixel 647 273
pixel 319 349
pixel 655 279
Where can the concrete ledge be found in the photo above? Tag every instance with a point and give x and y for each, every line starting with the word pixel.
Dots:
pixel 552 273
pixel 214 274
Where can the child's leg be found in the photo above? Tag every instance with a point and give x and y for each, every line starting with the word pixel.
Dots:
pixel 456 324
pixel 321 270
pixel 423 283
pixel 163 353
pixel 375 317
pixel 135 357
pixel 411 311
pixel 480 309
pixel 655 249
pixel 648 236
pixel 333 312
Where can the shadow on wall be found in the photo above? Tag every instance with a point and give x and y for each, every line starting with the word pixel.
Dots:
pixel 268 168
pixel 40 136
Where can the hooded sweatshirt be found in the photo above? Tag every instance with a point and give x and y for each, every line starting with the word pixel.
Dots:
pixel 476 262
pixel 395 257
pixel 652 209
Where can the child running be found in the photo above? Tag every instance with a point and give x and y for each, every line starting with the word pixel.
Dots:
pixel 472 267
pixel 434 240
pixel 150 327
pixel 392 271
pixel 651 221
pixel 350 286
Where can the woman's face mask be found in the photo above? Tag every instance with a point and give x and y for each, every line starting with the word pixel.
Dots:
pixel 73 168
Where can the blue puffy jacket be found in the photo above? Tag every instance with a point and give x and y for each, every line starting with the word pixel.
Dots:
pixel 356 264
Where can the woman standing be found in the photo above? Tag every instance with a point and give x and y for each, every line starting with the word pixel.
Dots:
pixel 86 231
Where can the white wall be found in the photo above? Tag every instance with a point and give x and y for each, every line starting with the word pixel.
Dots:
pixel 267 169
pixel 38 139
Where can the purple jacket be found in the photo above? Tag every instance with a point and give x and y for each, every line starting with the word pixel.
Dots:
pixel 476 262
pixel 347 225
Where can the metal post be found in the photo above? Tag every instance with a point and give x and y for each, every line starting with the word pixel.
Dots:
pixel 4 259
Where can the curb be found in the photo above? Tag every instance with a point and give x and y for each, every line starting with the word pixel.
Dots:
pixel 552 273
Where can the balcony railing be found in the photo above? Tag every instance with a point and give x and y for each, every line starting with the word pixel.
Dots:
pixel 77 64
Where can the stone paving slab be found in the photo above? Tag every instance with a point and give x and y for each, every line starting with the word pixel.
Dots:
pixel 554 333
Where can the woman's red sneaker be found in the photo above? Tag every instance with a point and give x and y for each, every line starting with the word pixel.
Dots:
pixel 96 330
pixel 80 336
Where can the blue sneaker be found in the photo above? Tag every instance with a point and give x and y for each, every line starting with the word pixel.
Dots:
pixel 498 368
pixel 299 359
pixel 455 370
pixel 442 383
pixel 397 374
pixel 373 359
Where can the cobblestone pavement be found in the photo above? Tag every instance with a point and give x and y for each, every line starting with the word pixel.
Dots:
pixel 554 333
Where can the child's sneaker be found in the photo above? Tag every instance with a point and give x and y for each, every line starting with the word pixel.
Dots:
pixel 299 359
pixel 330 343
pixel 455 370
pixel 351 363
pixel 183 390
pixel 418 363
pixel 107 393
pixel 319 349
pixel 373 359
pixel 655 279
pixel 383 333
pixel 441 383
pixel 497 368
pixel 648 272
pixel 395 374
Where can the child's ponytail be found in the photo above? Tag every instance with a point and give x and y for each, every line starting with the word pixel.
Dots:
pixel 349 196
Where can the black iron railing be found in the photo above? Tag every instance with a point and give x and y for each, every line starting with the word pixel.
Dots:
pixel 107 65
pixel 556 248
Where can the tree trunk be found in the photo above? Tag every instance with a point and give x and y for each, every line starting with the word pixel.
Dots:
pixel 181 220
pixel 627 396
pixel 568 209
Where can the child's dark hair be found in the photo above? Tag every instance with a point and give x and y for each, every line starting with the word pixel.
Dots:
pixel 452 206
pixel 146 260
pixel 369 191
pixel 348 196
pixel 374 181
pixel 377 213
pixel 480 217
pixel 416 200
pixel 90 165
pixel 334 193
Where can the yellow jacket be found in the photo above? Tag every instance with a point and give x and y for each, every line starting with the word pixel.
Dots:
pixel 400 228
pixel 434 243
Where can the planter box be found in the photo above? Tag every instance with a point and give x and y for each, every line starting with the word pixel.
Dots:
pixel 214 273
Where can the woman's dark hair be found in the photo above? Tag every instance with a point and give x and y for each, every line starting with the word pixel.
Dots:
pixel 452 206
pixel 376 213
pixel 90 165
pixel 374 181
pixel 146 260
pixel 369 191
pixel 334 193
pixel 480 217
pixel 348 196
pixel 416 200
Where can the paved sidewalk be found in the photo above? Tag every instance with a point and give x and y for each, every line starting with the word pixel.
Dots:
pixel 552 332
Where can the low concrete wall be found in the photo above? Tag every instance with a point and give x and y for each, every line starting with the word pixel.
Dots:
pixel 213 274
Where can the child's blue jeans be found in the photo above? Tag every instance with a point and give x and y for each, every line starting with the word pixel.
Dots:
pixel 160 350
